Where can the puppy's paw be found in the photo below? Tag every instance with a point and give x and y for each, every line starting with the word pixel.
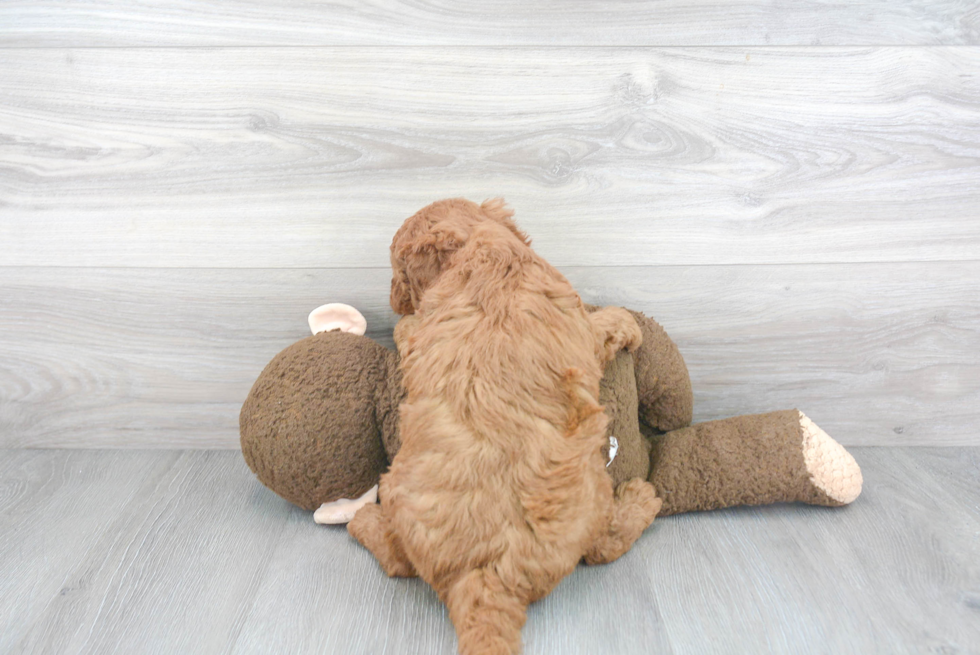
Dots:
pixel 369 527
pixel 366 525
pixel 634 508
pixel 632 336
pixel 616 329
pixel 639 498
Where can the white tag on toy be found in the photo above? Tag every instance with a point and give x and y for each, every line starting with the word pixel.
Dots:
pixel 613 449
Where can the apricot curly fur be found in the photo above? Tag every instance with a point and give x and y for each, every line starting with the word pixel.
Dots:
pixel 499 489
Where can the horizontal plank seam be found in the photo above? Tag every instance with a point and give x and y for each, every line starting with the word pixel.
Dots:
pixel 502 46
pixel 16 267
pixel 227 449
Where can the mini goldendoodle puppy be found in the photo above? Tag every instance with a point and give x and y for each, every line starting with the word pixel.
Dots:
pixel 499 488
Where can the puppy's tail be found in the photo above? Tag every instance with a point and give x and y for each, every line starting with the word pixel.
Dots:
pixel 488 617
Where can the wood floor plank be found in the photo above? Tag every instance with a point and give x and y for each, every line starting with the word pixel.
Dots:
pixel 964 489
pixel 173 570
pixel 877 354
pixel 510 22
pixel 312 157
pixel 894 573
pixel 345 603
pixel 56 509
pixel 349 605
pixel 609 608
pixel 162 551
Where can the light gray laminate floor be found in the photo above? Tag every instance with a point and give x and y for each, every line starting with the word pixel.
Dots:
pixel 185 552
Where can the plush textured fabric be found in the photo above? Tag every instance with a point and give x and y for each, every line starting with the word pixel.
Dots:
pixel 663 386
pixel 617 393
pixel 746 460
pixel 321 423
pixel 390 395
pixel 316 403
pixel 334 397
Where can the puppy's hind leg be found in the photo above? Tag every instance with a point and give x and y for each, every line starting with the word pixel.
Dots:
pixel 615 329
pixel 634 508
pixel 487 616
pixel 370 527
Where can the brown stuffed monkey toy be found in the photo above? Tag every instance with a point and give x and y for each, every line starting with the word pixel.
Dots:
pixel 320 425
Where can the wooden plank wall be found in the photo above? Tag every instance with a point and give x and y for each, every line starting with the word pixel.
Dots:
pixel 791 188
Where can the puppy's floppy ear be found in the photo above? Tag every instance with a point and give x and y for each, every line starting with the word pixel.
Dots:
pixel 418 262
pixel 497 210
pixel 401 296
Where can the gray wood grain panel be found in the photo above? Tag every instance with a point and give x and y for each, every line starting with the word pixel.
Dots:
pixel 170 571
pixel 901 577
pixel 405 616
pixel 875 353
pixel 311 157
pixel 507 22
pixel 937 463
pixel 179 552
pixel 133 357
pixel 57 509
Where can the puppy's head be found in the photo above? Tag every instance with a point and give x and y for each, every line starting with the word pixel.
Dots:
pixel 425 244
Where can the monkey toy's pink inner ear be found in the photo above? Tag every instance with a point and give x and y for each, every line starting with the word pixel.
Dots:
pixel 337 316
